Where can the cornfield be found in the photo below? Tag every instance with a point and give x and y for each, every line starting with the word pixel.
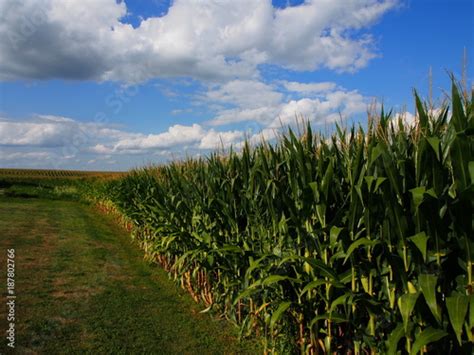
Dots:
pixel 360 243
pixel 6 173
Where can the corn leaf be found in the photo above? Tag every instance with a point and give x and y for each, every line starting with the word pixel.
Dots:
pixel 426 337
pixel 406 304
pixel 427 284
pixel 278 313
pixel 457 308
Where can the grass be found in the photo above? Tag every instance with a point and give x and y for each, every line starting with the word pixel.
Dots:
pixel 83 287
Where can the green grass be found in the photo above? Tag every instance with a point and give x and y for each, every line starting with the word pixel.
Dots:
pixel 83 287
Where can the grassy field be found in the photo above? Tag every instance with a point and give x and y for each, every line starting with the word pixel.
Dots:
pixel 51 184
pixel 83 287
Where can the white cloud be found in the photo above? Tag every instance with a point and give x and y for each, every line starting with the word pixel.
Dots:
pixel 259 114
pixel 308 88
pixel 44 134
pixel 101 149
pixel 56 131
pixel 262 103
pixel 245 93
pixel 22 156
pixel 176 135
pixel 207 40
pixel 68 138
pixel 214 140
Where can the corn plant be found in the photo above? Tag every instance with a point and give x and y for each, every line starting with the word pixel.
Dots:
pixel 360 243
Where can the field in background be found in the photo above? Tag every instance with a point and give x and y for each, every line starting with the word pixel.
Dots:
pixel 53 184
pixel 63 174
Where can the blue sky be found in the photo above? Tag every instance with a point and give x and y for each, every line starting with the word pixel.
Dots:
pixel 138 82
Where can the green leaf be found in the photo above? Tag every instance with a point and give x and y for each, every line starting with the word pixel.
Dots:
pixel 459 152
pixel 210 260
pixel 321 213
pixel 434 143
pixel 406 303
pixel 375 153
pixel 458 117
pixel 422 116
pixel 420 240
pixel 471 171
pixel 359 242
pixel 427 336
pixel 471 310
pixel 457 309
pixel 431 192
pixel 334 234
pixel 278 313
pixel 231 249
pixel 417 195
pixel 427 284
pixel 394 338
pixel 338 301
pixel 452 190
pixel 325 270
pixel 335 318
pixel 379 182
pixel 311 285
pixel 327 179
pixel 460 147
pixel 314 187
pixel 369 180
pixel 249 290
pixel 277 278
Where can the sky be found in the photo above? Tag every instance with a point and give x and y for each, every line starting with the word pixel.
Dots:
pixel 114 85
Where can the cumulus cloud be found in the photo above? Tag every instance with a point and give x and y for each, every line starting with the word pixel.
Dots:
pixel 308 88
pixel 68 137
pixel 51 131
pixel 331 107
pixel 213 139
pixel 206 40
pixel 176 135
pixel 24 156
pixel 100 149
pixel 245 93
pixel 262 114
pixel 263 103
pixel 44 134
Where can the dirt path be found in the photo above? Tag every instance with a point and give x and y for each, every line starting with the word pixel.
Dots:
pixel 83 287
